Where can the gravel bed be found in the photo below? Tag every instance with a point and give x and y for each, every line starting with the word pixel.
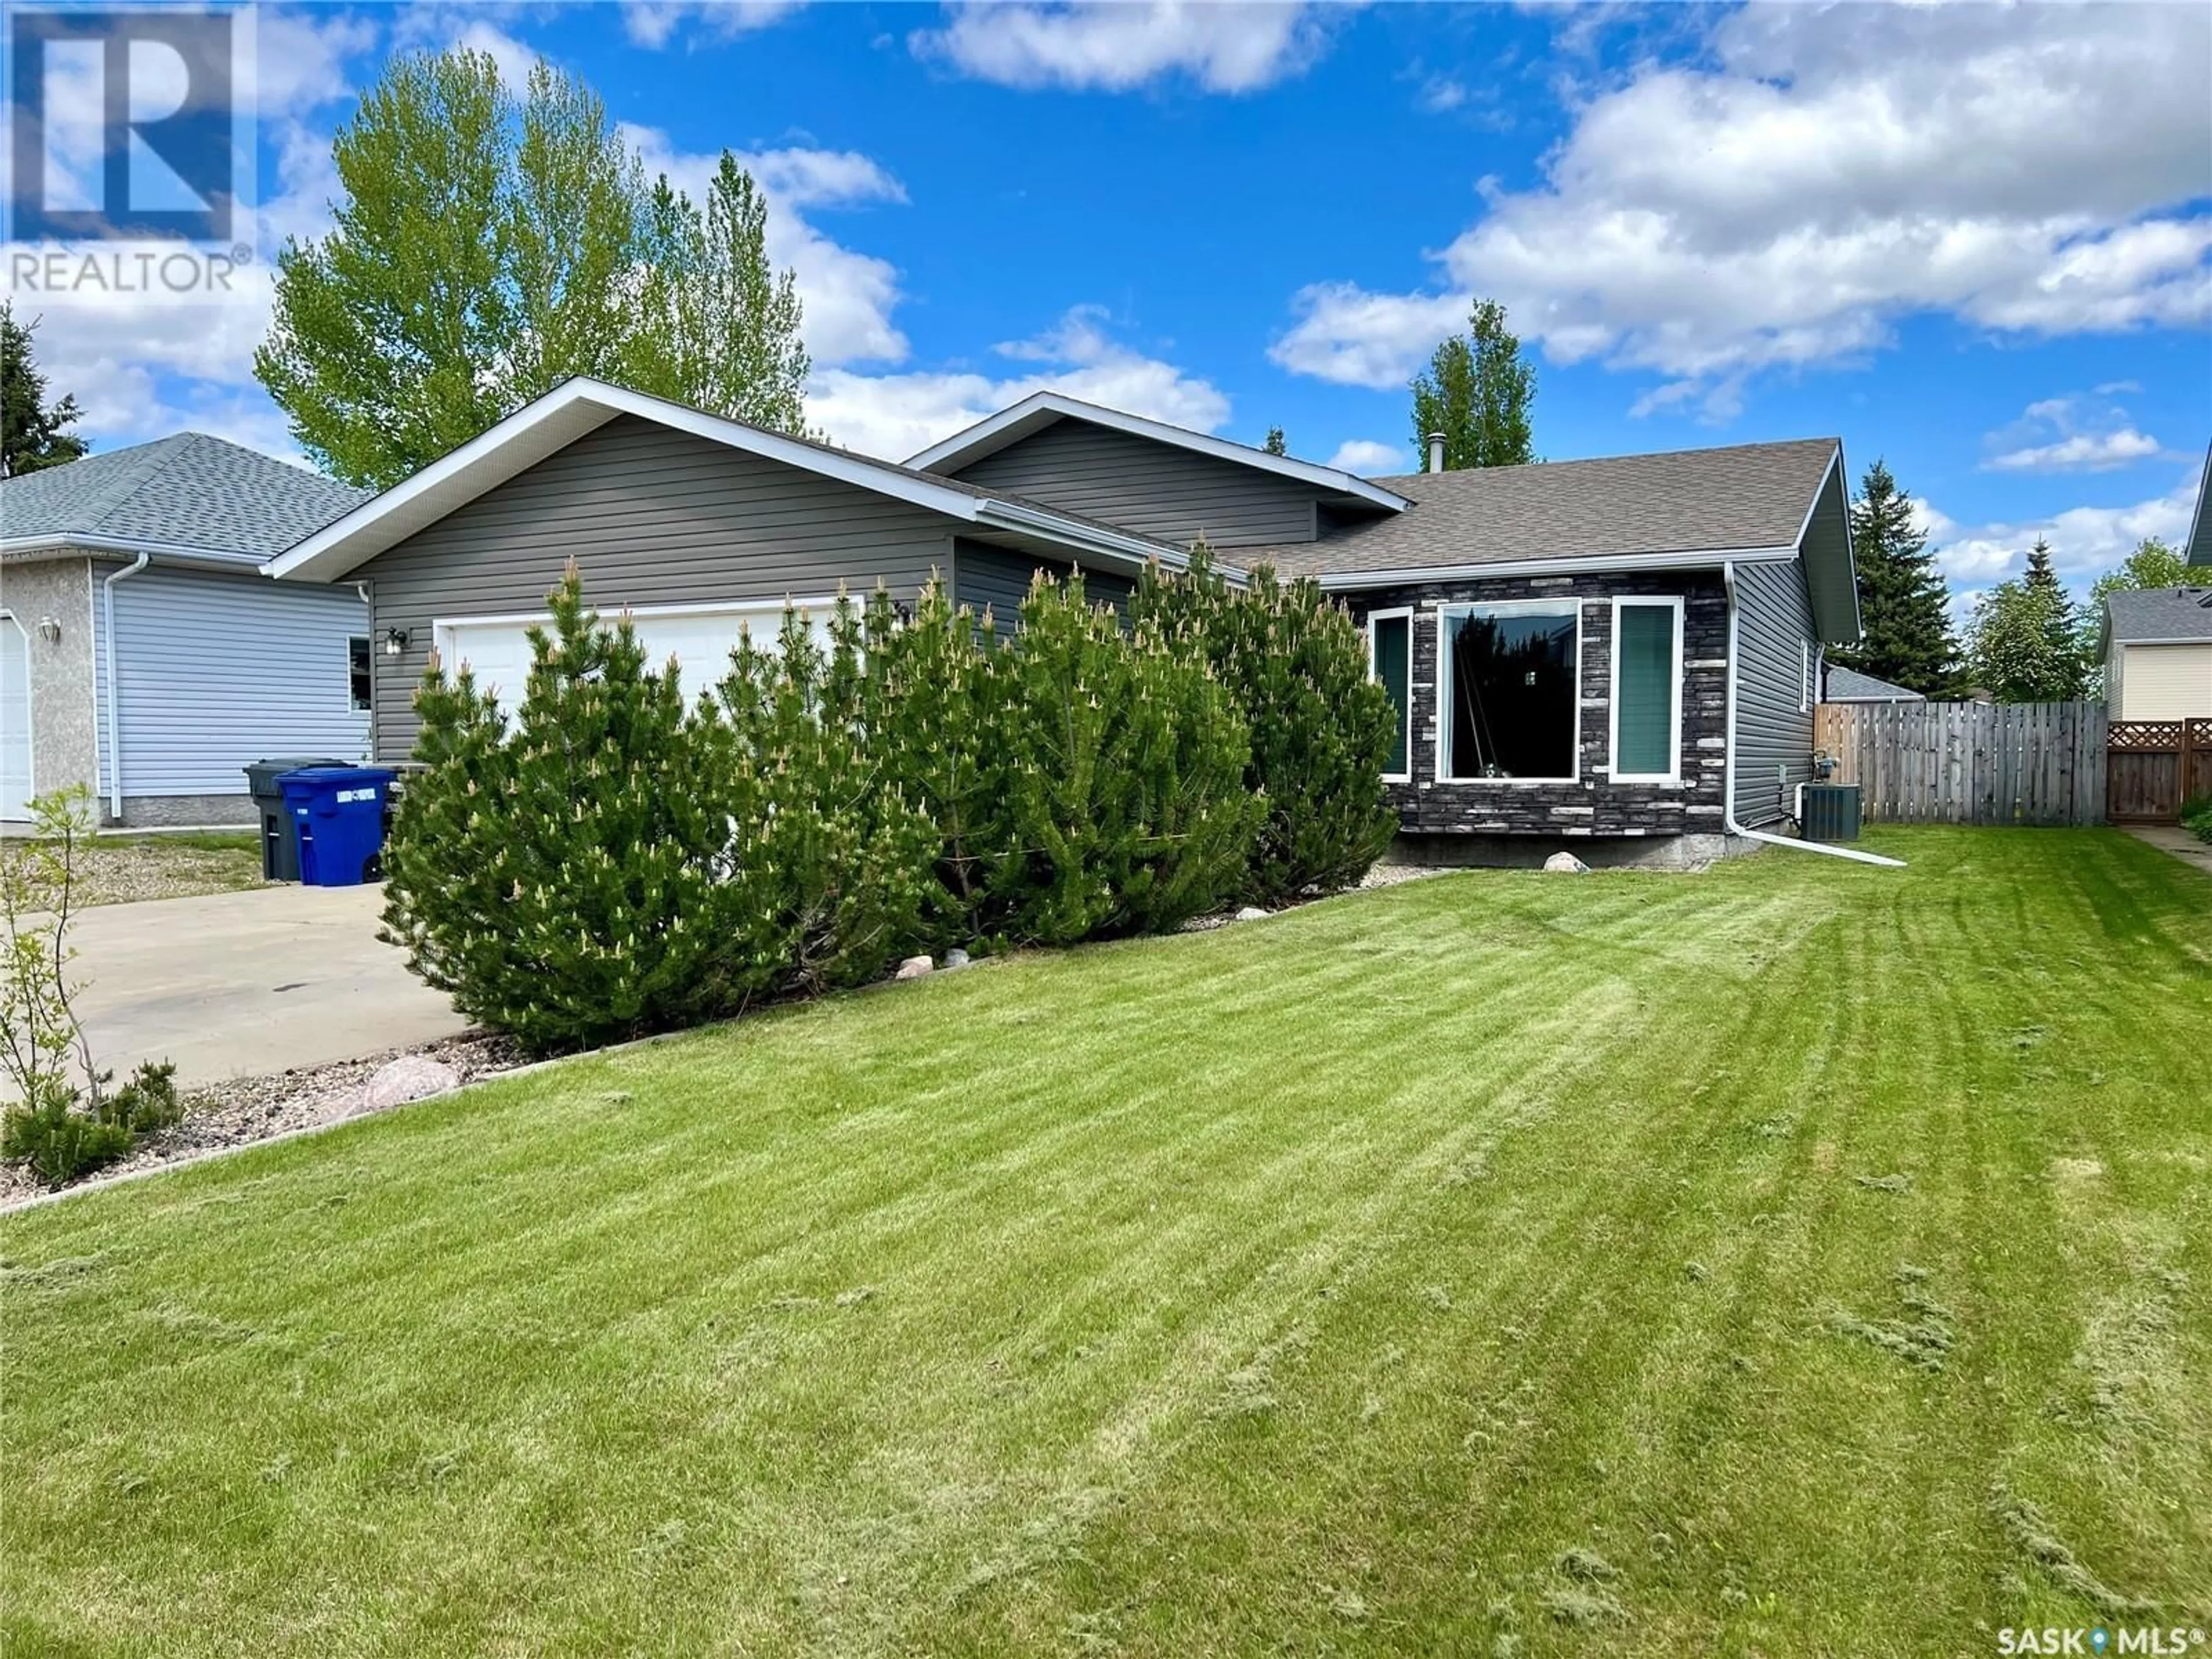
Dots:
pixel 128 872
pixel 242 1110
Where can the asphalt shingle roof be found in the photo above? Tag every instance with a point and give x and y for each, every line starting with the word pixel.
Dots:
pixel 1687 500
pixel 189 490
pixel 1849 686
pixel 2161 613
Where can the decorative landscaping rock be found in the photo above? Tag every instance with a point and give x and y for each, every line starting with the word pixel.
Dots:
pixel 1566 864
pixel 1251 912
pixel 410 1076
pixel 915 968
pixel 956 958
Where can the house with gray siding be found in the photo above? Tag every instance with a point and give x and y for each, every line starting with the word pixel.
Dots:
pixel 1618 655
pixel 144 655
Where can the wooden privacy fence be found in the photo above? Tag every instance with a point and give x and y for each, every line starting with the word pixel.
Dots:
pixel 1969 762
pixel 2156 765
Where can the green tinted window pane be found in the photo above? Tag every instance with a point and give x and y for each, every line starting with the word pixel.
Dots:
pixel 1646 712
pixel 1394 666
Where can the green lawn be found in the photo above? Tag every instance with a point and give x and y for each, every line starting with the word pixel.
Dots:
pixel 1798 1258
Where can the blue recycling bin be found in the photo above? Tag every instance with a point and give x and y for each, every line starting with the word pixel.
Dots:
pixel 337 812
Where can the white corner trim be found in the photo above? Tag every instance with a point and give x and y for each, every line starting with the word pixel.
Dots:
pixel 1629 602
pixel 1040 409
pixel 1403 612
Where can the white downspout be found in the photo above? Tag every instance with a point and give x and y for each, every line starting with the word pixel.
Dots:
pixel 1727 770
pixel 114 691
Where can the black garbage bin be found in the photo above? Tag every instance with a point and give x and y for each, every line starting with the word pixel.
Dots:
pixel 280 842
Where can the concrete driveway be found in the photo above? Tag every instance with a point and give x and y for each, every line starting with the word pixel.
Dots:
pixel 238 984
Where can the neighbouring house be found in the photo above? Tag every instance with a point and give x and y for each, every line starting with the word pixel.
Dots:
pixel 1624 653
pixel 1841 684
pixel 2156 646
pixel 143 653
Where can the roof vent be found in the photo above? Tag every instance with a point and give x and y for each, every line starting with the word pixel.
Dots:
pixel 1436 451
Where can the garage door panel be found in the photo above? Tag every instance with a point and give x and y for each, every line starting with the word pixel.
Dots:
pixel 498 656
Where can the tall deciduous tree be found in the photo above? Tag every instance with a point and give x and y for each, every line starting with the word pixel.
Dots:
pixel 2153 564
pixel 487 248
pixel 1904 606
pixel 34 433
pixel 1477 390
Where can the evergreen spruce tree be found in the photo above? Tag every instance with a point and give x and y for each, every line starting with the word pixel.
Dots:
pixel 2024 644
pixel 1904 606
pixel 34 433
pixel 1276 444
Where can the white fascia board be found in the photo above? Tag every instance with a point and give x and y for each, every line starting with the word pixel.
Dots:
pixel 1017 420
pixel 1579 565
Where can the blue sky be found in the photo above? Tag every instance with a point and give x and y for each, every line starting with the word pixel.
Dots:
pixel 1970 240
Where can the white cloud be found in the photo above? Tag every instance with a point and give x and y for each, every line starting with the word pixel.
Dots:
pixel 1115 46
pixel 847 297
pixel 1368 458
pixel 2029 170
pixel 653 23
pixel 1440 93
pixel 2082 452
pixel 439 26
pixel 894 415
pixel 2085 541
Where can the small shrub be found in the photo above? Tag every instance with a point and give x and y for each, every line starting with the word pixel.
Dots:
pixel 2197 816
pixel 1295 666
pixel 60 1129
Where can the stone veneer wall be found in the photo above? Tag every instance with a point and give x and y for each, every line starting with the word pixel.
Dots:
pixel 1593 806
pixel 63 743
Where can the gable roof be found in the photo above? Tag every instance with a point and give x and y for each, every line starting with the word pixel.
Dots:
pixel 2159 616
pixel 2198 548
pixel 1042 408
pixel 189 493
pixel 1842 685
pixel 581 405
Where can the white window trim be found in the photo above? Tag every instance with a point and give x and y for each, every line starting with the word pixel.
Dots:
pixel 1804 675
pixel 1654 601
pixel 1404 613
pixel 1445 612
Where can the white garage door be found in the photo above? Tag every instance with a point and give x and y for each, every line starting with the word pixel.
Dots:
pixel 699 638
pixel 15 721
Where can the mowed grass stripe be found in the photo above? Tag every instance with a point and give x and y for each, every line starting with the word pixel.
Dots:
pixel 1314 1283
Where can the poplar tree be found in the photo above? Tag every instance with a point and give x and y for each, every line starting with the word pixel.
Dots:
pixel 1477 390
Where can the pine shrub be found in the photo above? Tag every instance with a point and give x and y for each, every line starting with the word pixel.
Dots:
pixel 1122 786
pixel 549 873
pixel 1294 665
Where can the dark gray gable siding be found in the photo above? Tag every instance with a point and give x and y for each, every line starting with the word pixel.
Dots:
pixel 1000 578
pixel 653 517
pixel 1155 489
pixel 1773 726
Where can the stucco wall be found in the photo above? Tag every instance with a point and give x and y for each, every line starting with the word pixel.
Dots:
pixel 64 738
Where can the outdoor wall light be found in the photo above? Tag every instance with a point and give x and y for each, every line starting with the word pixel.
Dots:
pixel 395 641
pixel 50 629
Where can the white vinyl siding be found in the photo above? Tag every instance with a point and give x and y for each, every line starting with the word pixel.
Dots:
pixel 2162 683
pixel 16 786
pixel 216 670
